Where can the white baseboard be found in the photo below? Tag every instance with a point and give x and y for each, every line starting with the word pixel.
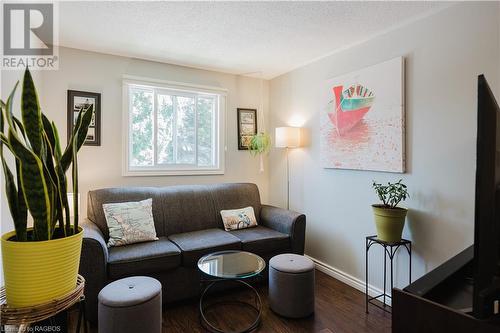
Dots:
pixel 348 279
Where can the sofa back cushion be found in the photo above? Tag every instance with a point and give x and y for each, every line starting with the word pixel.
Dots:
pixel 234 196
pixel 187 208
pixel 96 198
pixel 181 208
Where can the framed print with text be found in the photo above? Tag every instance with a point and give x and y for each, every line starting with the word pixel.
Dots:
pixel 247 127
pixel 82 99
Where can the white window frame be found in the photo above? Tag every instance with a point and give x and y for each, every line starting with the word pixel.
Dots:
pixel 179 89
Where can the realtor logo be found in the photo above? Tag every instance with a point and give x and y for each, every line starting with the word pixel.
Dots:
pixel 28 36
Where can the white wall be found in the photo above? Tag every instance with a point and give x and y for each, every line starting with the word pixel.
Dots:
pixel 444 54
pixel 101 166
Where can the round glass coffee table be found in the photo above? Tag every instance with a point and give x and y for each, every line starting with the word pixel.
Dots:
pixel 233 266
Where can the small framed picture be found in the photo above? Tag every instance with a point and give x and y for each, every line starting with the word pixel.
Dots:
pixel 247 127
pixel 78 100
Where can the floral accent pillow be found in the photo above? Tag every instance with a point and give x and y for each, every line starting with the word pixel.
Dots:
pixel 235 219
pixel 130 222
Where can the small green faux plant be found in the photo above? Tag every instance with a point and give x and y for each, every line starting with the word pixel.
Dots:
pixel 391 194
pixel 260 144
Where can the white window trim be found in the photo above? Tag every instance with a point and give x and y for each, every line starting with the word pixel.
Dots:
pixel 175 170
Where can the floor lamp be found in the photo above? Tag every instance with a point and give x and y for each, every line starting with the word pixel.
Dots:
pixel 287 137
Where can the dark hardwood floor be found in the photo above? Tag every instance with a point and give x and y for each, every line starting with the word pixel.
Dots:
pixel 339 309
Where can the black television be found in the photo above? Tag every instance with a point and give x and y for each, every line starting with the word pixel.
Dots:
pixel 486 266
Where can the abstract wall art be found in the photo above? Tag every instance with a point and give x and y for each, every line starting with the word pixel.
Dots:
pixel 362 119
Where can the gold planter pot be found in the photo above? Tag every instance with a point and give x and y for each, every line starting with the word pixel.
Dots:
pixel 38 272
pixel 389 222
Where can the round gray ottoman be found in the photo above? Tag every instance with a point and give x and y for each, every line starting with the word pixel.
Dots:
pixel 130 305
pixel 291 285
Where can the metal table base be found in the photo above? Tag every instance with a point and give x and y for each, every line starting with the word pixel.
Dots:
pixel 257 307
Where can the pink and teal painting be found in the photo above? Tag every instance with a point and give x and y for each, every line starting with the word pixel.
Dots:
pixel 362 121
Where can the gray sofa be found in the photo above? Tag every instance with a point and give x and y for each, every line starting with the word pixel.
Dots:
pixel 189 225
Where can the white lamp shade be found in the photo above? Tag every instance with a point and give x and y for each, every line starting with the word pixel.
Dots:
pixel 287 137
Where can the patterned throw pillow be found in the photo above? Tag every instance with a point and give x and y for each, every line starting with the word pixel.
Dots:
pixel 130 222
pixel 235 219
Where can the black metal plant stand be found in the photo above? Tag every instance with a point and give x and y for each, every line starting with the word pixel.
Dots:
pixel 390 249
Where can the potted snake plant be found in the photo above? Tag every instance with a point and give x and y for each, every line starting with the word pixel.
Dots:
pixel 40 263
pixel 389 218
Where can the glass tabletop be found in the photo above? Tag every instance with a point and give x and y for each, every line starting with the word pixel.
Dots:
pixel 231 264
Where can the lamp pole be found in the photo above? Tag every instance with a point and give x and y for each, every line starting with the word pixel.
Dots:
pixel 287 137
pixel 287 179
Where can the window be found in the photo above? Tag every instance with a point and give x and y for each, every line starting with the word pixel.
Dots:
pixel 173 129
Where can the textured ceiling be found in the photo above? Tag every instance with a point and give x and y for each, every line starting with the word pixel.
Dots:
pixel 233 37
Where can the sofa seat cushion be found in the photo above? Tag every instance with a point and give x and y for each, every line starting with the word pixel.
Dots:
pixel 262 240
pixel 143 258
pixel 196 244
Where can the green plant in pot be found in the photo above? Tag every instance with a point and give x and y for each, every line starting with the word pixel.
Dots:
pixel 40 263
pixel 389 218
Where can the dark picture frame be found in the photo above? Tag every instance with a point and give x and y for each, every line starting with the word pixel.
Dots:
pixel 77 100
pixel 247 127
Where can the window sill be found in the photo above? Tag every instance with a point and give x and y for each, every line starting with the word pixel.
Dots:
pixel 152 173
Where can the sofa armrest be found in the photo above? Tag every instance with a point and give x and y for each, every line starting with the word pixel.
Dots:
pixel 287 222
pixel 93 265
pixel 94 245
